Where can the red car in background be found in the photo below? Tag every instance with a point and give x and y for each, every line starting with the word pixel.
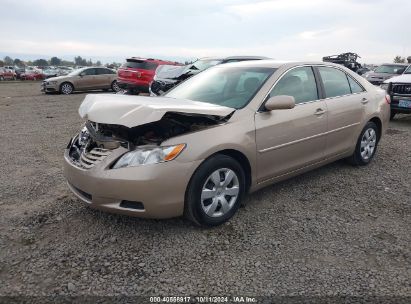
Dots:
pixel 136 74
pixel 7 74
pixel 32 75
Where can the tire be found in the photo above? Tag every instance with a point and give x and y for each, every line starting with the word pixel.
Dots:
pixel 1 78
pixel 220 203
pixel 115 87
pixel 392 115
pixel 66 88
pixel 366 145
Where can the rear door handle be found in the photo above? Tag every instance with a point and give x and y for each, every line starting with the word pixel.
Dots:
pixel 319 112
pixel 364 100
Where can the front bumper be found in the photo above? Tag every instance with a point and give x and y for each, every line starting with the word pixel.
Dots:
pixel 159 187
pixel 49 87
pixel 395 104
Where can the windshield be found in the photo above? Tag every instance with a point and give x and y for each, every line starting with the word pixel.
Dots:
pixel 204 64
pixel 226 86
pixel 389 69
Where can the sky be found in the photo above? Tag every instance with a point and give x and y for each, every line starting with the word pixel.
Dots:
pixel 377 30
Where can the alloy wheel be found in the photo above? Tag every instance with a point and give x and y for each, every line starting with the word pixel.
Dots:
pixel 220 192
pixel 368 143
pixel 66 88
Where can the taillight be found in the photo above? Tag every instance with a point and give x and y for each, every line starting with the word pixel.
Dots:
pixel 388 99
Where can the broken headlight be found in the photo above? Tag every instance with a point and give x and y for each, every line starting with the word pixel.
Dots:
pixel 149 155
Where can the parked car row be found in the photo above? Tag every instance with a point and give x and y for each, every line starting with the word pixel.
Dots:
pixel 385 71
pixel 7 74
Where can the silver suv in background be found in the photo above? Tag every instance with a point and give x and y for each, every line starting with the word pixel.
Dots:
pixel 399 89
pixel 384 72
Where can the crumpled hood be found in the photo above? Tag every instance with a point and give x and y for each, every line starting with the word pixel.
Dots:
pixel 171 71
pixel 405 78
pixel 132 111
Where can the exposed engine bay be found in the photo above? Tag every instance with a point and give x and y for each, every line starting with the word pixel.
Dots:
pixel 95 140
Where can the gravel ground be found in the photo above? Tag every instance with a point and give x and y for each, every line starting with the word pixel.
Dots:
pixel 337 230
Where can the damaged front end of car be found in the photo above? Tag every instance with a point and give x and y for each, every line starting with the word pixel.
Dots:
pixel 142 143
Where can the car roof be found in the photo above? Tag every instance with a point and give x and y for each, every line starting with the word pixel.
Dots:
pixel 271 63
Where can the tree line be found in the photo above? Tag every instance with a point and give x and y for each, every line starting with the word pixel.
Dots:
pixel 53 61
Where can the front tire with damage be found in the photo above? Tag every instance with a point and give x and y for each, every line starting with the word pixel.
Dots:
pixel 215 191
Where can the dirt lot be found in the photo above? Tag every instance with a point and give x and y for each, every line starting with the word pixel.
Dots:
pixel 337 230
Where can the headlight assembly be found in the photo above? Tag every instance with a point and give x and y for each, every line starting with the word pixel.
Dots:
pixel 149 155
pixel 384 86
pixel 51 82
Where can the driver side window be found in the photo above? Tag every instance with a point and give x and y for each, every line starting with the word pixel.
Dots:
pixel 299 83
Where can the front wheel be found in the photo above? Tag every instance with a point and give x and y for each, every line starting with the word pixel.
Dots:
pixel 66 88
pixel 366 145
pixel 215 191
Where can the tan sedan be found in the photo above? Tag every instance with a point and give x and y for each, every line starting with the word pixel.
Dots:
pixel 230 130
pixel 91 78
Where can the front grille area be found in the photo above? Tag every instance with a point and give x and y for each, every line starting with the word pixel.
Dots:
pixel 90 158
pixel 402 89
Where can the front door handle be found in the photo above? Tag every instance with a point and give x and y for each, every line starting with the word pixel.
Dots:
pixel 319 112
pixel 364 100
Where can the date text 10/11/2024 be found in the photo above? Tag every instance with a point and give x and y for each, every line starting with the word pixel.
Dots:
pixel 203 299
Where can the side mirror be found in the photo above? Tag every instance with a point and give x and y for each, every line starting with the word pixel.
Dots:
pixel 280 102
pixel 81 74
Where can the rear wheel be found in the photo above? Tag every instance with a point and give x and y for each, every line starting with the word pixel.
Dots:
pixel 114 86
pixel 1 78
pixel 66 88
pixel 215 191
pixel 366 145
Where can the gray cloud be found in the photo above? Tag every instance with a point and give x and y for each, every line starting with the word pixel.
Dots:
pixel 281 29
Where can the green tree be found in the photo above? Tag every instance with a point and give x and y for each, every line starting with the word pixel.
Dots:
pixel 1 63
pixel 18 62
pixel 399 59
pixel 41 62
pixel 55 61
pixel 80 61
pixel 8 60
pixel 98 63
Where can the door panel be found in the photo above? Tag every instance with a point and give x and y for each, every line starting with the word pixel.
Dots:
pixel 290 139
pixel 345 110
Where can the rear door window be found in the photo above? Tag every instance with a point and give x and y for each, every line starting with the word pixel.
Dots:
pixel 335 82
pixel 102 71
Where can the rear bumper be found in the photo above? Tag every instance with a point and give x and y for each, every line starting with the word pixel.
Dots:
pixel 160 187
pixel 134 86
